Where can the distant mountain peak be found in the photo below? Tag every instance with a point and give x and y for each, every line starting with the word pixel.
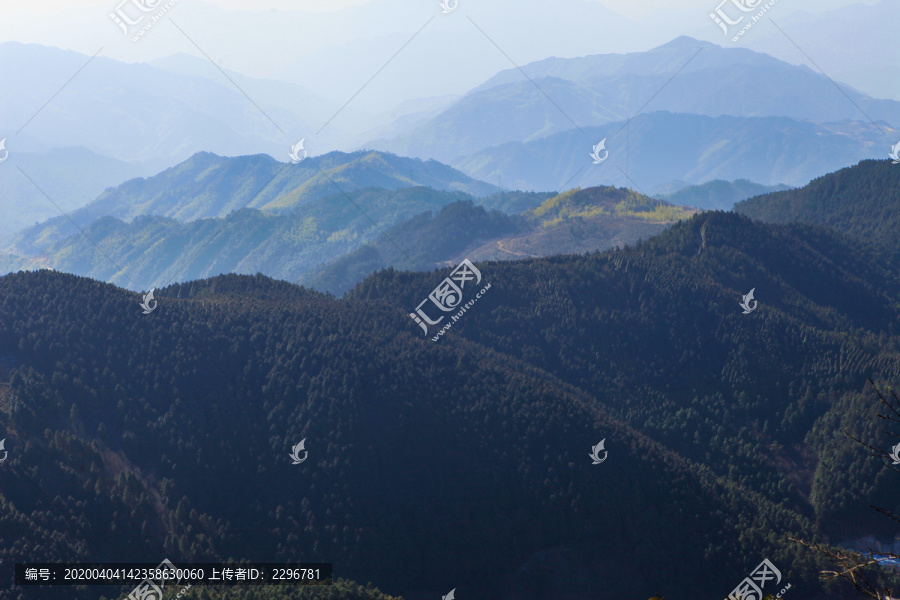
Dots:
pixel 686 41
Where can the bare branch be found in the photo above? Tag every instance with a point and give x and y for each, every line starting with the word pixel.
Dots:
pixel 848 564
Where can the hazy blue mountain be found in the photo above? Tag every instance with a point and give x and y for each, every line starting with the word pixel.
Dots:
pixel 450 56
pixel 148 118
pixel 70 177
pixel 668 188
pixel 207 185
pixel 592 90
pixel 286 96
pixel 145 113
pixel 661 147
pixel 718 194
pixel 76 136
pixel 860 61
pixel 409 114
pixel 506 112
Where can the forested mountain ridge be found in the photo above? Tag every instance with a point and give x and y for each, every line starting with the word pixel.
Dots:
pixel 154 445
pixel 861 200
pixel 719 425
pixel 827 319
pixel 152 251
pixel 334 242
pixel 210 186
pixel 572 222
pixel 425 241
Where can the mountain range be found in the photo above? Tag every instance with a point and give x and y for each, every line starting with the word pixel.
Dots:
pixel 576 94
pixel 856 64
pixel 555 304
pixel 336 241
pixel 719 425
pixel 188 222
pixel 785 123
pixel 573 222
pixel 210 186
pixel 656 149
pixel 570 302
pixel 145 113
pixel 116 121
pixel 37 186
pixel 152 251
pixel 357 39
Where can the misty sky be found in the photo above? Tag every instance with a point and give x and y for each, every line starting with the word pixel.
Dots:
pixel 333 47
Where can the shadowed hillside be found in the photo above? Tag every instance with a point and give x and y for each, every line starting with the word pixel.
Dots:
pixel 719 425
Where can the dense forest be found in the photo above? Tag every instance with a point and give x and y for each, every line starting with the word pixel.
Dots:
pixel 861 200
pixel 133 437
pixel 426 239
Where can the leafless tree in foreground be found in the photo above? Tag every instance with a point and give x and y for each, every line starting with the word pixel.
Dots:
pixel 849 564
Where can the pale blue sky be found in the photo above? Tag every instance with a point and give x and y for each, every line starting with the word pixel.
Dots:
pixel 335 46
